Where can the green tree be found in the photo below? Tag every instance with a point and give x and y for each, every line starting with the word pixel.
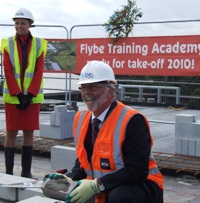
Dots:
pixel 121 23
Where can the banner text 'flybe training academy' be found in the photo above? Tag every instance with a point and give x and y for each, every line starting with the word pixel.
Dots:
pixel 156 56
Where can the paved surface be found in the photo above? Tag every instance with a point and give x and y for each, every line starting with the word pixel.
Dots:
pixel 177 189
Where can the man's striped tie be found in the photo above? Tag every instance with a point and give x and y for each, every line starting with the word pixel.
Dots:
pixel 95 129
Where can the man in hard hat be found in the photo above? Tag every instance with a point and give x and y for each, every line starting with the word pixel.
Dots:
pixel 118 166
pixel 23 62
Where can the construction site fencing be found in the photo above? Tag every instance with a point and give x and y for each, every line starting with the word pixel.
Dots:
pixel 141 29
pixel 44 31
pixel 189 97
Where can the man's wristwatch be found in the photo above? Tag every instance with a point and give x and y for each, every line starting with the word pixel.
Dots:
pixel 100 185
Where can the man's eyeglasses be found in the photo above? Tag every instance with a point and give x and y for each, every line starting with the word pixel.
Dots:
pixel 92 88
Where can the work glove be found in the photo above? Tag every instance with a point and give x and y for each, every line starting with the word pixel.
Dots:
pixel 55 176
pixel 27 100
pixel 58 174
pixel 29 97
pixel 85 190
pixel 20 97
pixel 24 100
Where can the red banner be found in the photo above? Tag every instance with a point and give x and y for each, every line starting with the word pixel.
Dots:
pixel 156 56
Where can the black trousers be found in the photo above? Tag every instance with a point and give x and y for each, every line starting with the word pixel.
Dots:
pixel 147 193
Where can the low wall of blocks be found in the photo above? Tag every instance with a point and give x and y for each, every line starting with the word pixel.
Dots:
pixel 187 135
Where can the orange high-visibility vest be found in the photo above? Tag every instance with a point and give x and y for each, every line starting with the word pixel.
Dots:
pixel 107 155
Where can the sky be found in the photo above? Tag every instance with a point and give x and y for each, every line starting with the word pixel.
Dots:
pixel 69 13
pixel 79 12
pixel 87 12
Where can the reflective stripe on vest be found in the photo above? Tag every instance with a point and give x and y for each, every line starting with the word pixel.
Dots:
pixel 11 48
pixel 82 114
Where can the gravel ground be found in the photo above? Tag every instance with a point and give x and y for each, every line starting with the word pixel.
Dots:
pixel 177 189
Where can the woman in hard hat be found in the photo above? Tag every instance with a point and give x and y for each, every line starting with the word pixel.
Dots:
pixel 23 61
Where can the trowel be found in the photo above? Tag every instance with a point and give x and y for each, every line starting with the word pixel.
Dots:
pixel 57 189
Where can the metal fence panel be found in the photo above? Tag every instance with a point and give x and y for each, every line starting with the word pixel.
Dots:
pixel 144 29
pixel 189 86
pixel 43 31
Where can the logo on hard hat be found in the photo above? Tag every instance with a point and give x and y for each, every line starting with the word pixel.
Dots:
pixel 87 75
pixel 19 14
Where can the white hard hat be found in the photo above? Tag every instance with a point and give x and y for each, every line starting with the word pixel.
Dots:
pixel 96 71
pixel 24 13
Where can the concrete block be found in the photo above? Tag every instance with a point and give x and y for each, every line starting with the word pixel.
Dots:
pixel 28 193
pixel 62 128
pixel 54 120
pixel 60 125
pixel 195 127
pixel 151 100
pixel 61 118
pixel 197 147
pixel 53 132
pixel 56 132
pixel 39 199
pixel 183 130
pixel 66 131
pixel 178 146
pixel 192 147
pixel 8 194
pixel 185 146
pixel 60 108
pixel 67 118
pixel 185 118
pixel 187 130
pixel 13 194
pixel 62 157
